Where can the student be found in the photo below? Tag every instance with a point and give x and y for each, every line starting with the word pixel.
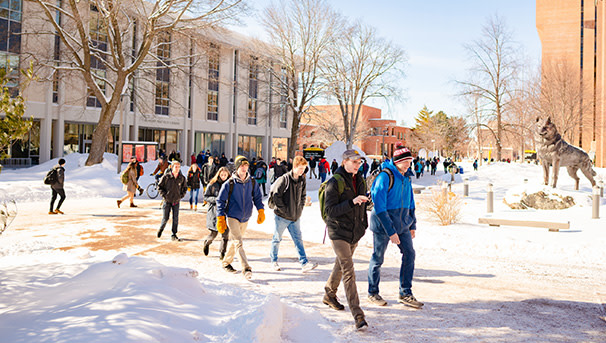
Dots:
pixel 288 195
pixel 172 187
pixel 211 194
pixel 193 183
pixel 346 222
pixel 57 187
pixel 234 208
pixel 130 176
pixel 393 219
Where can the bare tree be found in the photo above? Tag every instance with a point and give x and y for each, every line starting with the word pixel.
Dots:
pixel 361 66
pixel 98 35
pixel 300 32
pixel 493 73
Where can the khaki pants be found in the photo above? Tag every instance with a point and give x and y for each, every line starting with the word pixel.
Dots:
pixel 344 268
pixel 236 234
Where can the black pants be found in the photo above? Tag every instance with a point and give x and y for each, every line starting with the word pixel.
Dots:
pixel 61 193
pixel 166 209
pixel 225 238
pixel 263 185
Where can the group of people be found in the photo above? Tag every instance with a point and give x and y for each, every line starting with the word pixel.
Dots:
pixel 231 194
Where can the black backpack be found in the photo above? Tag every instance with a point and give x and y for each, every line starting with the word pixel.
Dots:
pixel 371 179
pixel 51 177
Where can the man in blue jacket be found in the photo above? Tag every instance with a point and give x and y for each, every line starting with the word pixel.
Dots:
pixel 234 209
pixel 393 219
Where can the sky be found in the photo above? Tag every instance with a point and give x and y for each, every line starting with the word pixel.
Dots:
pixel 433 34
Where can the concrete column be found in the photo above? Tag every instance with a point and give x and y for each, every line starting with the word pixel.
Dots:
pixel 46 126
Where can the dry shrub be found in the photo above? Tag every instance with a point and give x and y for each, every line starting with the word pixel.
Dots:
pixel 446 208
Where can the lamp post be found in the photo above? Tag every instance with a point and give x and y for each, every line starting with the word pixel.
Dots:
pixel 123 98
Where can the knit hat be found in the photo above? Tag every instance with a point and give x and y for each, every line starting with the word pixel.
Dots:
pixel 240 160
pixel 401 154
pixel 351 154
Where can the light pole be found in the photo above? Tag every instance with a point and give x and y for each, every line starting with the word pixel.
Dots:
pixel 123 96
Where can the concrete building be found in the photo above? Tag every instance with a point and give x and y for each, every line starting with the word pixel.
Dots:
pixel 221 103
pixel 573 32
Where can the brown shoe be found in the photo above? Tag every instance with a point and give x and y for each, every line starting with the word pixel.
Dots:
pixel 57 211
pixel 51 212
pixel 133 205
pixel 119 202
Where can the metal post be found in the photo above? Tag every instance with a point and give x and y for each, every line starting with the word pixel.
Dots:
pixel 490 199
pixel 601 184
pixel 120 130
pixel 444 190
pixel 466 187
pixel 595 213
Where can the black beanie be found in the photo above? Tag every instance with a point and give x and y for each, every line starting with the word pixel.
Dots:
pixel 401 154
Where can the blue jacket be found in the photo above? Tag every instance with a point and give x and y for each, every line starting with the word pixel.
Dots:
pixel 242 198
pixel 394 210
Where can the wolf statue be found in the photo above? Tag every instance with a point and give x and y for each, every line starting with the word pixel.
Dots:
pixel 552 150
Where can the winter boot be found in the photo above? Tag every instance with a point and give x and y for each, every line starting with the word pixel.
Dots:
pixel 119 202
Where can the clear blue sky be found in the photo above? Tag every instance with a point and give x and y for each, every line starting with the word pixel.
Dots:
pixel 432 33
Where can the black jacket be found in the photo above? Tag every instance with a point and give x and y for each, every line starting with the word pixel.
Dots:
pixel 289 196
pixel 210 196
pixel 208 172
pixel 193 179
pixel 172 189
pixel 344 220
pixel 280 169
pixel 60 177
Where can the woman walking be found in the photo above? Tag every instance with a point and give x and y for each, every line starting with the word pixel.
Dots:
pixel 193 183
pixel 211 194
pixel 129 179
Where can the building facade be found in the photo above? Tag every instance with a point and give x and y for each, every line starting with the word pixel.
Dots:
pixel 573 33
pixel 221 103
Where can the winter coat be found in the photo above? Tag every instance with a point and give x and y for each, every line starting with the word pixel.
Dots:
pixel 261 166
pixel 162 166
pixel 193 179
pixel 323 166
pixel 344 220
pixel 280 169
pixel 210 196
pixel 57 185
pixel 394 210
pixel 312 163
pixel 244 194
pixel 172 189
pixel 289 196
pixel 209 171
pixel 334 166
pixel 131 185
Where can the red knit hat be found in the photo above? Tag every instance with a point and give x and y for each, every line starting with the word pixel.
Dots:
pixel 401 154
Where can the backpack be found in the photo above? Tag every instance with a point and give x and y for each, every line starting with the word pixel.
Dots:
pixel 322 192
pixel 370 180
pixel 124 177
pixel 271 202
pixel 51 177
pixel 259 173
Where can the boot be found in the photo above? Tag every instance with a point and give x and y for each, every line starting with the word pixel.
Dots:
pixel 133 205
pixel 119 202
pixel 191 207
pixel 196 208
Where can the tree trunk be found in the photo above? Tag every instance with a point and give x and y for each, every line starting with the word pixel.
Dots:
pixel 294 135
pixel 99 141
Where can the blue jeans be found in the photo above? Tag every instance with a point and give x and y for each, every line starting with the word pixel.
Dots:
pixel 294 228
pixel 193 194
pixel 323 176
pixel 166 209
pixel 381 240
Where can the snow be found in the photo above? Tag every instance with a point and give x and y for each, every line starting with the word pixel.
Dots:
pixel 479 283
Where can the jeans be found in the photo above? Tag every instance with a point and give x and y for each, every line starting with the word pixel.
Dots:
pixel 61 194
pixel 193 194
pixel 323 177
pixel 166 209
pixel 294 228
pixel 381 240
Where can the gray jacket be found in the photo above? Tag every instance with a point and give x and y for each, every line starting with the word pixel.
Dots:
pixel 289 196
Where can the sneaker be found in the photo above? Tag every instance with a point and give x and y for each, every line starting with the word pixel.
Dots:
pixel 175 238
pixel 206 247
pixel 119 202
pixel 221 255
pixel 308 266
pixel 276 266
pixel 361 323
pixel 140 191
pixel 410 300
pixel 377 300
pixel 57 211
pixel 333 302
pixel 229 268
pixel 247 273
pixel 160 233
pixel 51 212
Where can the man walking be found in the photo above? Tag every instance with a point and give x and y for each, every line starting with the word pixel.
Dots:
pixel 346 222
pixel 288 195
pixel 57 186
pixel 312 167
pixel 234 208
pixel 393 219
pixel 172 187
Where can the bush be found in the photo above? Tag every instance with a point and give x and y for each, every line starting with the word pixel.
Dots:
pixel 446 208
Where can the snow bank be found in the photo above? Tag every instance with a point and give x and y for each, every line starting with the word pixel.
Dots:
pixel 336 149
pixel 135 299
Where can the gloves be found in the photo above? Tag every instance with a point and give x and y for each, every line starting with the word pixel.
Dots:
pixel 221 224
pixel 189 189
pixel 261 216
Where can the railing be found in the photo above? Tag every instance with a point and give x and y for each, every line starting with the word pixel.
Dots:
pixel 22 162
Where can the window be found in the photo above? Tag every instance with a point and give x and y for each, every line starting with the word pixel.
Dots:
pixel 253 90
pixel 212 112
pixel 10 41
pixel 98 41
pixel 163 74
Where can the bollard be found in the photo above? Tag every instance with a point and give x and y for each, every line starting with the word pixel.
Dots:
pixel 595 213
pixel 466 187
pixel 601 184
pixel 444 190
pixel 489 199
